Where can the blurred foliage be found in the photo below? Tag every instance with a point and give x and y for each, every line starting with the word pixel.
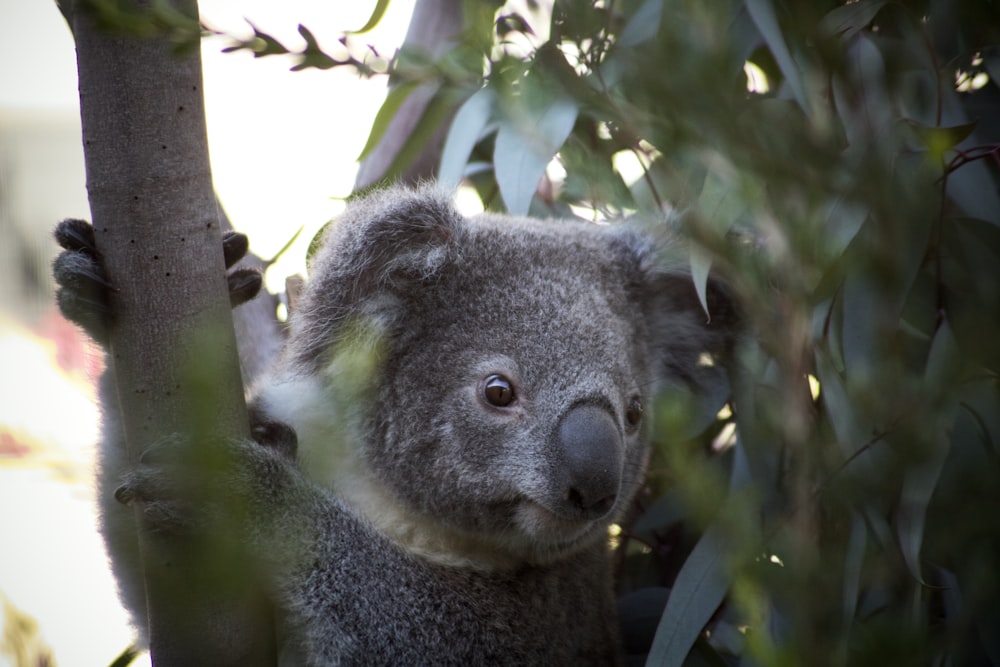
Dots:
pixel 837 164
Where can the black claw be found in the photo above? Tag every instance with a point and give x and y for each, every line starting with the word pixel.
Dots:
pixel 234 246
pixel 124 495
pixel 275 435
pixel 81 271
pixel 244 284
pixel 73 234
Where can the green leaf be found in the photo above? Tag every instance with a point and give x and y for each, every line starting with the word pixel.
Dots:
pixel 920 481
pixel 846 20
pixel 662 514
pixel 466 130
pixel 701 263
pixel 262 44
pixel 975 190
pixel 841 222
pixel 313 56
pixel 643 25
pixel 876 288
pixel 524 148
pixel 838 406
pixel 857 543
pixel 440 107
pixel 762 13
pixel 698 591
pixel 939 139
pixel 863 101
pixel 373 20
pixel 393 100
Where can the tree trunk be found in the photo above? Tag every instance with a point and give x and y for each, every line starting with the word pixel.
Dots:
pixel 173 351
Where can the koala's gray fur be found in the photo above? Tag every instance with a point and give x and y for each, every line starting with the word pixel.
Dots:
pixel 418 523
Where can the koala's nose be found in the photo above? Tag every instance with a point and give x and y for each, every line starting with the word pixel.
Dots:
pixel 590 450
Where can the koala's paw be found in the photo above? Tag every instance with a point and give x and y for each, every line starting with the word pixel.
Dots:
pixel 84 291
pixel 279 437
pixel 244 283
pixel 183 485
pixel 161 486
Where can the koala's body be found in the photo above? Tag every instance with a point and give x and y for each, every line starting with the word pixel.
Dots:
pixel 467 396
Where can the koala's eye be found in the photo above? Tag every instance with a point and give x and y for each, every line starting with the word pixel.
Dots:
pixel 498 391
pixel 633 412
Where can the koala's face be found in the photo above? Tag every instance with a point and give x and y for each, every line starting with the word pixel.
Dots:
pixel 512 402
pixel 505 414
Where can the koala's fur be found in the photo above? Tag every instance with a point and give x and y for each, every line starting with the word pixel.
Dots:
pixel 417 523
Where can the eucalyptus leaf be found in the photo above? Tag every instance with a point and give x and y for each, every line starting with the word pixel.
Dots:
pixel 862 100
pixel 698 591
pixel 701 263
pixel 762 13
pixel 974 189
pixel 920 481
pixel 393 101
pixel 466 130
pixel 524 147
pixel 842 219
pixel 643 25
pixel 857 543
pixel 377 13
pixel 845 21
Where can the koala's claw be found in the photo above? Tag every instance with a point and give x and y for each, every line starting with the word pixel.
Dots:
pixel 234 247
pixel 125 495
pixel 244 284
pixel 76 235
pixel 277 436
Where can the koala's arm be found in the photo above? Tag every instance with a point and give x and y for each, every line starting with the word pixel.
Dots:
pixel 83 296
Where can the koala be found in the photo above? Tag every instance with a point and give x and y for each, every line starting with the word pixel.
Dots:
pixel 459 414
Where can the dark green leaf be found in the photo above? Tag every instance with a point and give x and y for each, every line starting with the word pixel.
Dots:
pixel 373 20
pixel 762 13
pixel 698 591
pixel 842 220
pixel 393 100
pixel 643 25
pixel 862 100
pixel 701 263
pixel 940 139
pixel 846 20
pixel 921 479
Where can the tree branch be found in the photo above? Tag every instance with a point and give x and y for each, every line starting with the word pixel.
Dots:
pixel 173 351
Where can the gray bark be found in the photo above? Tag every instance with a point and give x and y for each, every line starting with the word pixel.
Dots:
pixel 173 351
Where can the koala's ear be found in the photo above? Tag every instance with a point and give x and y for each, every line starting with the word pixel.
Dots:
pixel 692 349
pixel 382 245
pixel 388 238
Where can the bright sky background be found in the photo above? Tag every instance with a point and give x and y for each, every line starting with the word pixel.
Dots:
pixel 283 144
pixel 283 148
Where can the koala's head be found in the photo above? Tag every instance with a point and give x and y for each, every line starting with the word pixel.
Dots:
pixel 506 416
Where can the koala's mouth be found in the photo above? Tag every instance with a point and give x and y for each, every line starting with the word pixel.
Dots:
pixel 551 528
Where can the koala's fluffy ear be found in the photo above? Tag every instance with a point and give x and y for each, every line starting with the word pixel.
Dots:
pixel 692 349
pixel 382 245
